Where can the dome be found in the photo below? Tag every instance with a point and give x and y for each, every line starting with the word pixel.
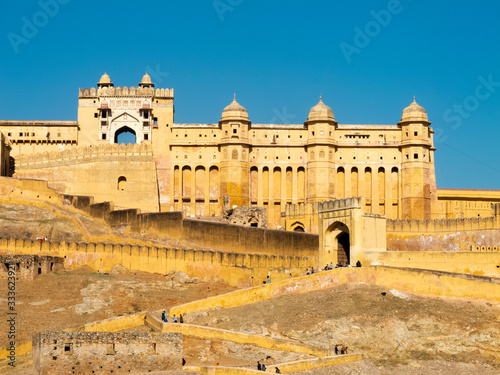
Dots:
pixel 146 81
pixel 414 112
pixel 235 110
pixel 105 79
pixel 146 78
pixel 321 112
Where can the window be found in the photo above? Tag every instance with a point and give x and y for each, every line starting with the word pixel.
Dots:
pixel 406 134
pixel 146 137
pixel 185 135
pixel 9 134
pixel 415 134
pixel 20 134
pixel 415 156
pixel 96 115
pixel 155 120
pixel 235 131
pixel 313 133
pixel 33 134
pixel 104 136
pixel 406 157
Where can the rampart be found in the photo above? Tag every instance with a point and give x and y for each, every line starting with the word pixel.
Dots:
pixel 125 174
pixel 205 234
pixel 423 282
pixel 104 352
pixel 209 333
pixel 235 268
pixel 480 263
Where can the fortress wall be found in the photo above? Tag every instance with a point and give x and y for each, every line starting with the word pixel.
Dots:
pixel 441 241
pixel 125 174
pixel 235 268
pixel 208 333
pixel 29 189
pixel 465 262
pixel 423 282
pixel 444 234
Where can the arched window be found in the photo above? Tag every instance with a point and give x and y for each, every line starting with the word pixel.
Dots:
pixel 234 155
pixel 122 183
pixel 125 135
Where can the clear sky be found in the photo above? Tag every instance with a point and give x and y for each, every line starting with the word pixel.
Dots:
pixel 367 58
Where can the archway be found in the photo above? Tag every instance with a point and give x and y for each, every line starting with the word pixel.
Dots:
pixel 343 248
pixel 125 135
pixel 337 244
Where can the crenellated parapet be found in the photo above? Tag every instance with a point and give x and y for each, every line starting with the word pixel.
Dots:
pixel 126 92
pixel 442 225
pixel 83 153
pixel 314 208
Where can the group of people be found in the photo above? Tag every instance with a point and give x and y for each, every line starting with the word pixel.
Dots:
pixel 262 367
pixel 331 267
pixel 342 350
pixel 174 319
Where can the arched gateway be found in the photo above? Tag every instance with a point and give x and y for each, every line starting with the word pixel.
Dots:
pixel 347 234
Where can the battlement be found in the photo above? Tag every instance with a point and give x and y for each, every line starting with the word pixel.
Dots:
pixel 318 207
pixel 442 225
pixel 126 91
pixel 82 153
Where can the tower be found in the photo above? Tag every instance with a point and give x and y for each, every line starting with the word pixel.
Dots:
pixel 235 146
pixel 417 166
pixel 321 125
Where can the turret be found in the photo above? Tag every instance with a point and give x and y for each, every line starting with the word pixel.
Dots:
pixel 235 125
pixel 417 166
pixel 321 126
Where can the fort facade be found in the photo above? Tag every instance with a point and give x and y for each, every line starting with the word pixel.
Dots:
pixel 191 167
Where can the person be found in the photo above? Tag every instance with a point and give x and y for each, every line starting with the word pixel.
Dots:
pixel 346 264
pixel 259 366
pixel 345 350
pixel 175 319
pixel 307 271
pixel 278 371
pixel 312 270
pixel 263 367
pixel 181 319
pixel 331 265
pixel 358 264
pixel 163 316
pixel 268 279
pixel 342 350
pixel 336 350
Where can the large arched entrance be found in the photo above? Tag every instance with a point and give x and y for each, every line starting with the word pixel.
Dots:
pixel 337 244
pixel 343 248
pixel 125 135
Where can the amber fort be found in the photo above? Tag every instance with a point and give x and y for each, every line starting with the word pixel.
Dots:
pixel 243 201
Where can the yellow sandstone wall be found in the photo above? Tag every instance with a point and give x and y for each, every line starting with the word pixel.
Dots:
pixel 465 262
pixel 235 268
pixel 442 235
pixel 423 282
pixel 125 174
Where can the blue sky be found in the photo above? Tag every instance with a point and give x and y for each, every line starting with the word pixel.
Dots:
pixel 367 59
